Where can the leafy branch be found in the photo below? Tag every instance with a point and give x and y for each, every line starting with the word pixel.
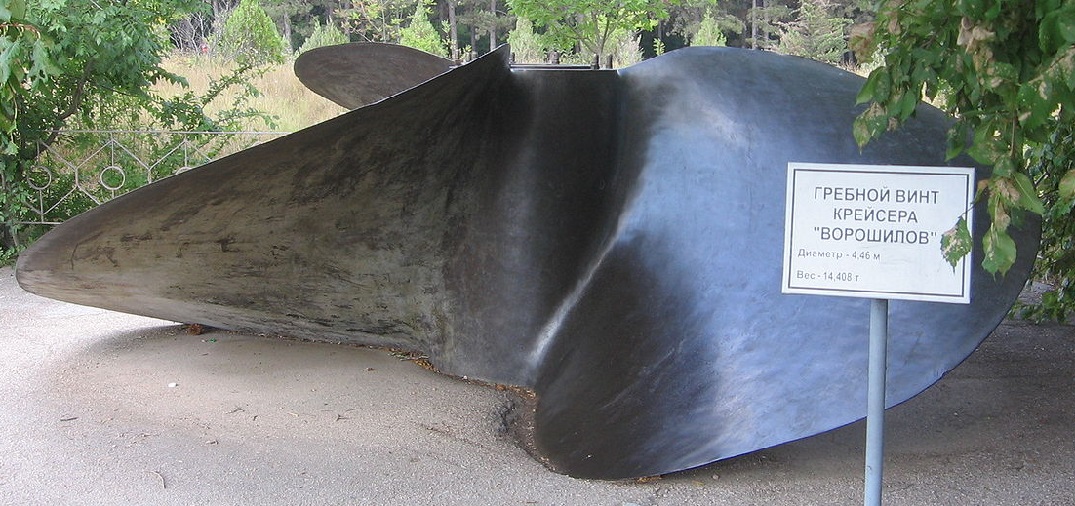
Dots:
pixel 1006 72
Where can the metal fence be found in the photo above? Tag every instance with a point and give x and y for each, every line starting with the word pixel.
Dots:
pixel 84 168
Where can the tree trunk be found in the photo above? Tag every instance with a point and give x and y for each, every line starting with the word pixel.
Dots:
pixel 766 22
pixel 754 26
pixel 287 31
pixel 473 39
pixel 492 26
pixel 453 30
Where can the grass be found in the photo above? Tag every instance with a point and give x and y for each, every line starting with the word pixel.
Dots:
pixel 282 96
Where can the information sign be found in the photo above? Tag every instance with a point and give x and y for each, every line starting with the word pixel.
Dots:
pixel 874 231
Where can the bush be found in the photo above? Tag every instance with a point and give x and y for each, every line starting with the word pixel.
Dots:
pixel 323 35
pixel 709 33
pixel 420 33
pixel 250 37
pixel 524 43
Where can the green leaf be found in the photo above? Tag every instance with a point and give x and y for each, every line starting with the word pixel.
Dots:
pixel 1066 63
pixel 43 64
pixel 957 141
pixel 993 11
pixel 15 9
pixel 987 149
pixel 1035 108
pixel 869 88
pixel 907 105
pixel 999 251
pixel 1065 23
pixel 1049 36
pixel 1067 185
pixel 998 211
pixel 1002 73
pixel 1028 196
pixel 957 242
pixel 971 8
pixel 869 124
pixel 7 55
pixel 861 131
pixel 1042 7
pixel 1004 167
pixel 883 89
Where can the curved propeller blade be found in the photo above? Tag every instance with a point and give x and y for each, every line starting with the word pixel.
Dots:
pixel 611 239
pixel 357 74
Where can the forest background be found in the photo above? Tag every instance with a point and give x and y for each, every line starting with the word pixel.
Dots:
pixel 627 30
pixel 90 66
pixel 1004 69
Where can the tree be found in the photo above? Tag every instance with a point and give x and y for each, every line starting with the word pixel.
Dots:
pixel 525 46
pixel 375 20
pixel 59 62
pixel 453 29
pixel 708 33
pixel 816 33
pixel 702 23
pixel 590 23
pixel 1005 69
pixel 190 34
pixel 765 20
pixel 323 35
pixel 250 36
pixel 420 33
pixel 285 13
pixel 484 19
pixel 88 64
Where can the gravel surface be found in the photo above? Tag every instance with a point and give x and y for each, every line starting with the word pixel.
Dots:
pixel 99 407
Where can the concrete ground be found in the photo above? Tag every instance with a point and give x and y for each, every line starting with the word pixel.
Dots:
pixel 99 407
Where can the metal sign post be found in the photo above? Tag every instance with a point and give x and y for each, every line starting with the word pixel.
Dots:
pixel 875 409
pixel 874 231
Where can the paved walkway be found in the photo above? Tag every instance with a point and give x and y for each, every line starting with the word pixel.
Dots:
pixel 104 408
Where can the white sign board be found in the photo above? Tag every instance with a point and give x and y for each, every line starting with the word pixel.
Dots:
pixel 875 231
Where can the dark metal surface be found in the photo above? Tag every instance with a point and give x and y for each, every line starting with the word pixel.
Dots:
pixel 611 239
pixel 354 75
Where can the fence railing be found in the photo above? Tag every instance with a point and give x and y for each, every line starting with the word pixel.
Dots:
pixel 84 168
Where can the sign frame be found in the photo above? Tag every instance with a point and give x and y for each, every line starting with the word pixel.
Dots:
pixel 893 215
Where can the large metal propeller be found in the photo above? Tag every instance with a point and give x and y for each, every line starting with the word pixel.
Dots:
pixel 611 239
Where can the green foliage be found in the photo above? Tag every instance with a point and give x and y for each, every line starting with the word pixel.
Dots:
pixel 704 22
pixel 709 33
pixel 524 43
pixel 323 35
pixel 485 19
pixel 375 20
pixel 1051 165
pixel 767 20
pixel 590 23
pixel 24 66
pixel 57 60
pixel 625 48
pixel 817 33
pixel 86 65
pixel 957 243
pixel 1006 70
pixel 420 33
pixel 60 61
pixel 296 20
pixel 250 37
